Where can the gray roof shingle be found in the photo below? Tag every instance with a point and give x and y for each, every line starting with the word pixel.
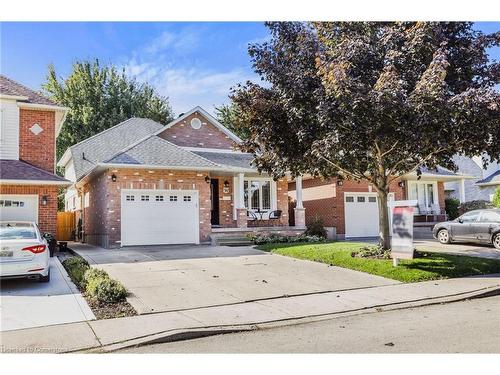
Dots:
pixel 438 171
pixel 20 170
pixel 10 87
pixel 157 151
pixel 491 178
pixel 233 159
pixel 109 142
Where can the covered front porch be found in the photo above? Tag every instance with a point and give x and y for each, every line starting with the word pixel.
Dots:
pixel 428 190
pixel 246 202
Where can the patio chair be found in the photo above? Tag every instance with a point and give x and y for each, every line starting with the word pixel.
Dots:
pixel 251 216
pixel 436 211
pixel 275 215
pixel 423 210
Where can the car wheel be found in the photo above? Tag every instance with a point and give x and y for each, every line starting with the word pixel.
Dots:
pixel 496 241
pixel 443 236
pixel 45 279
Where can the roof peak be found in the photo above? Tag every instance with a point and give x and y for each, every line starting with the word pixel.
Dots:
pixel 10 87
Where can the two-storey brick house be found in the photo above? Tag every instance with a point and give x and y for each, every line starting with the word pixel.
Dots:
pixel 29 126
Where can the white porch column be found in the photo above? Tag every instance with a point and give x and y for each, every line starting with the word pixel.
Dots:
pixel 461 190
pixel 300 214
pixel 241 190
pixel 298 190
pixel 241 211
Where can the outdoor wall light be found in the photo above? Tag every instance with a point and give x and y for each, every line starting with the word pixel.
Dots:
pixel 401 184
pixel 207 179
pixel 45 200
pixel 226 184
pixel 113 177
pixel 340 182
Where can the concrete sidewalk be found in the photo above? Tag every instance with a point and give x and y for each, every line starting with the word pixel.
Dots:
pixel 113 334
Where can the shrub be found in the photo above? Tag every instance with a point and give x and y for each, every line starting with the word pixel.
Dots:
pixel 451 208
pixel 373 252
pixel 496 198
pixel 316 228
pixel 76 268
pixel 261 239
pixel 105 290
pixel 93 273
pixel 474 205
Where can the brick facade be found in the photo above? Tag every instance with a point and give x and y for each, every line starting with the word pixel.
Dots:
pixel 102 218
pixel 37 149
pixel 47 215
pixel 329 203
pixel 208 136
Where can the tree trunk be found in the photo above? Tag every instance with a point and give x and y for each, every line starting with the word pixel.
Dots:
pixel 383 219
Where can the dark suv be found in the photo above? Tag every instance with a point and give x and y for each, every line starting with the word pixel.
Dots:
pixel 474 226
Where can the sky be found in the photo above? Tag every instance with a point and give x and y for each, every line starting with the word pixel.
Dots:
pixel 191 63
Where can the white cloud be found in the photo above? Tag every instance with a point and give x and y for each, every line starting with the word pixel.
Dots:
pixel 189 87
pixel 159 43
pixel 163 63
pixel 186 39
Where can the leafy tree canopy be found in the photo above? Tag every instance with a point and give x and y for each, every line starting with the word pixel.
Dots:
pixel 369 100
pixel 496 198
pixel 227 115
pixel 100 97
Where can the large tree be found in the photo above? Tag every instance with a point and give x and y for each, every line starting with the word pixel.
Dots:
pixel 100 97
pixel 370 101
pixel 227 115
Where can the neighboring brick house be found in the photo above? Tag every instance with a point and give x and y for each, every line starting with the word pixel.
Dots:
pixel 144 183
pixel 30 124
pixel 349 209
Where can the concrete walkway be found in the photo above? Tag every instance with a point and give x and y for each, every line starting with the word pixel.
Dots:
pixel 27 303
pixel 113 334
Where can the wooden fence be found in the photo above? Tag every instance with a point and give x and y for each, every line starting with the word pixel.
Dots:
pixel 65 226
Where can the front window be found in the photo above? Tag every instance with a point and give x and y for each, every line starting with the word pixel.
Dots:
pixel 257 194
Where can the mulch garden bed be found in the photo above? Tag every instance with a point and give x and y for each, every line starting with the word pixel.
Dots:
pixel 102 310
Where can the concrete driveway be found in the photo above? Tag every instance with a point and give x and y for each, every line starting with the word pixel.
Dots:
pixel 172 278
pixel 470 249
pixel 27 304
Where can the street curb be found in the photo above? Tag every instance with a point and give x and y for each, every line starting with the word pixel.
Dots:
pixel 200 332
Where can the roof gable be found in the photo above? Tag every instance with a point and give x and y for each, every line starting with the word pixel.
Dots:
pixel 13 88
pixel 197 128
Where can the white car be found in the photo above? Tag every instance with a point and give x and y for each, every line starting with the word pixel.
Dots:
pixel 24 253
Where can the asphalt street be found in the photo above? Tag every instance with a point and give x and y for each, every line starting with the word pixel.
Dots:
pixel 462 327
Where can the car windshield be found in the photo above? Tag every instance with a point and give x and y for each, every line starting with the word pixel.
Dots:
pixel 13 231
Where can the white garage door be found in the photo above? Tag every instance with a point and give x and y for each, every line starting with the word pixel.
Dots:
pixel 156 217
pixel 361 214
pixel 19 207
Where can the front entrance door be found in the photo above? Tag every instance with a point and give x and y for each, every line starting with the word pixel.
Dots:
pixel 214 190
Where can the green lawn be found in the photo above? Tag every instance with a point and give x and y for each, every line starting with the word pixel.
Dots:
pixel 431 266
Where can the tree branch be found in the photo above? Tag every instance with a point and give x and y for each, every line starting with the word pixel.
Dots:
pixel 345 171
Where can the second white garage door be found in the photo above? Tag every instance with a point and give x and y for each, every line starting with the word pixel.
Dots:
pixel 157 217
pixel 361 214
